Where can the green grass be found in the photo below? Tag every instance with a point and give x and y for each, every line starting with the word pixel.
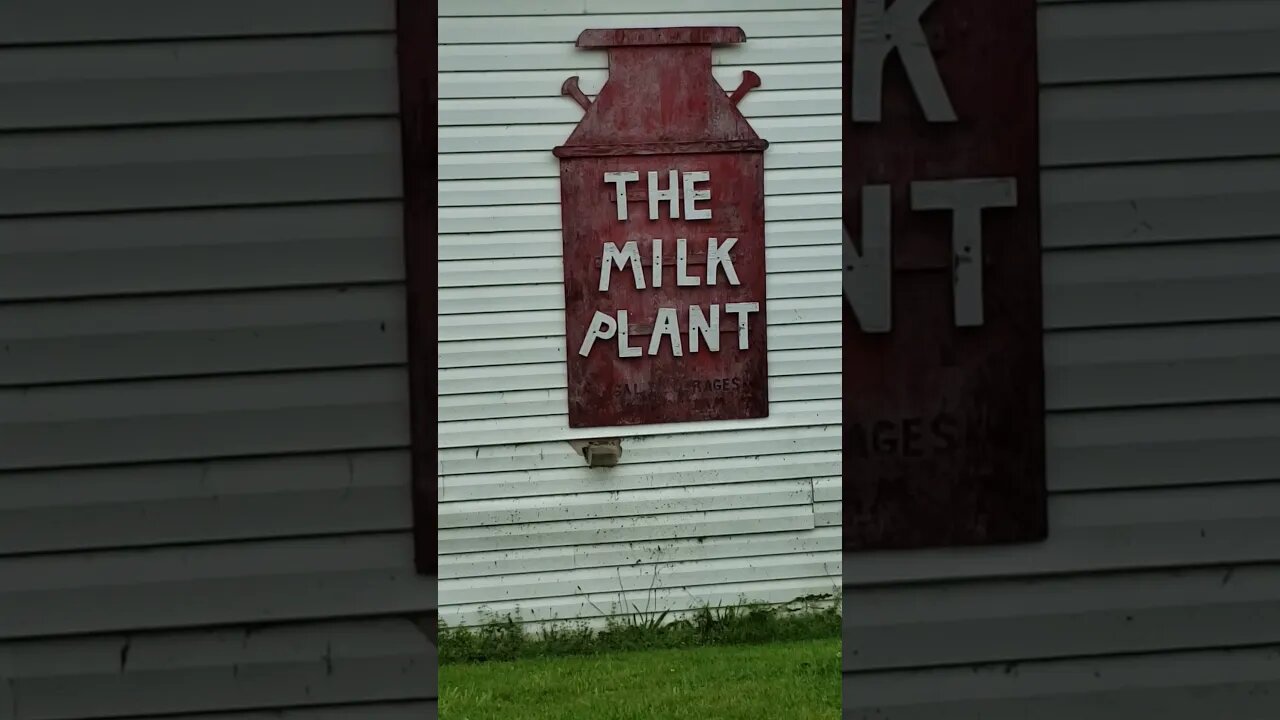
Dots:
pixel 796 680
pixel 809 618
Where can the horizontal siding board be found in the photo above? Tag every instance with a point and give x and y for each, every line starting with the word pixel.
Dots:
pixel 201 334
pixel 1162 365
pixel 690 443
pixel 499 378
pixel 1170 120
pixel 184 251
pixel 1160 203
pixel 1117 41
pixel 1178 686
pixel 255 164
pixel 1016 620
pixel 222 670
pixel 676 474
pixel 210 501
pixel 530 587
pixel 80 21
pixel 565 28
pixel 1148 285
pixel 203 81
pixel 760 103
pixel 522 146
pixel 1093 532
pixel 828 514
pixel 176 587
pixel 757 52
pixel 483 550
pixel 1153 447
pixel 454 8
pixel 678 599
pixel 506 84
pixel 589 505
pixel 789 166
pixel 203 418
pixel 470 433
pixel 528 403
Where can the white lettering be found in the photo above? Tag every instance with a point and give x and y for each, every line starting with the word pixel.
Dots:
pixel 868 284
pixel 665 326
pixel 742 310
pixel 877 32
pixel 710 330
pixel 657 262
pixel 613 257
pixel 670 194
pixel 718 255
pixel 624 348
pixel 966 199
pixel 683 279
pixel 692 195
pixel 602 328
pixel 620 180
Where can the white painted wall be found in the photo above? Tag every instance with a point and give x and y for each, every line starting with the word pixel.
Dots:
pixel 699 512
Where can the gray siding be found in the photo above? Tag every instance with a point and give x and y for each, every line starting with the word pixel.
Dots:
pixel 204 486
pixel 1158 591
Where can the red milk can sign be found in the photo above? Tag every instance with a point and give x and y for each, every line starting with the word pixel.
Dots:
pixel 662 197
pixel 943 367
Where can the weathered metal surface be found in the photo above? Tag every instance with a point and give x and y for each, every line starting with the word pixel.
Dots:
pixel 943 367
pixel 662 197
pixel 417 114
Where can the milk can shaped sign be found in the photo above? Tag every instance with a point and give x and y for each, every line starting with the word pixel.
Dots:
pixel 662 204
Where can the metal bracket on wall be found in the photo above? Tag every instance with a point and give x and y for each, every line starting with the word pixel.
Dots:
pixel 602 452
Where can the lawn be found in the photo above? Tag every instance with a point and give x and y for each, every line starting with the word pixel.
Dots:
pixel 798 680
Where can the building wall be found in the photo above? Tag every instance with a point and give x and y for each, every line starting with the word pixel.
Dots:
pixel 204 487
pixel 1158 591
pixel 704 512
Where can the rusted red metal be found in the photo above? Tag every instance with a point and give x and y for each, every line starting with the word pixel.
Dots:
pixel 944 424
pixel 661 111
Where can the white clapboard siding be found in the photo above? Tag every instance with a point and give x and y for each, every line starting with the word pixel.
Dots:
pixel 82 21
pixel 201 81
pixel 157 561
pixel 727 507
pixel 1160 570
pixel 203 585
pixel 161 504
pixel 1238 683
pixel 481 550
pixel 1064 616
pixel 651 601
pixel 365 663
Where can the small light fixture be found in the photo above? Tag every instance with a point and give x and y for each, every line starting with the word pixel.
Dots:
pixel 603 452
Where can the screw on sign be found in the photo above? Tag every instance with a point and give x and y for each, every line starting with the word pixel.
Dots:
pixel 662 202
